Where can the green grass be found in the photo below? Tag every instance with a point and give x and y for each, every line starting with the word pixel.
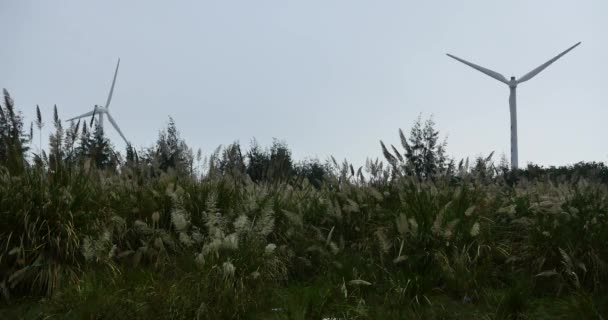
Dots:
pixel 96 244
pixel 175 295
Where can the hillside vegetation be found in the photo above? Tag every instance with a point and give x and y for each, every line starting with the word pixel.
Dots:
pixel 162 233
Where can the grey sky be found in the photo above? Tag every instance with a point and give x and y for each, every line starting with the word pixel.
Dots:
pixel 328 77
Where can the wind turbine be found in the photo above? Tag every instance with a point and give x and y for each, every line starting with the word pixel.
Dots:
pixel 105 110
pixel 513 93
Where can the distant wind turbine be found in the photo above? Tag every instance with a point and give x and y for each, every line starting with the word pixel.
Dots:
pixel 512 96
pixel 101 111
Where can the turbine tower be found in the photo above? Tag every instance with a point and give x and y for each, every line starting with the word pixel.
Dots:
pixel 513 93
pixel 101 111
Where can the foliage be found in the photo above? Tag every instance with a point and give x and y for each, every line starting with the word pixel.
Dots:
pixel 147 238
pixel 424 156
pixel 13 141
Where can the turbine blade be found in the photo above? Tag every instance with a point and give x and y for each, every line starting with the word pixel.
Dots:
pixel 113 83
pixel 489 72
pixel 82 115
pixel 116 127
pixel 536 71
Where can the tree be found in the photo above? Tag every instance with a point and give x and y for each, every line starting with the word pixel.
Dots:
pixel 13 141
pixel 71 137
pixel 131 156
pixel 281 164
pixel 424 157
pixel 232 162
pixel 172 151
pixel 269 165
pixel 83 147
pixel 97 148
pixel 313 171
pixel 257 162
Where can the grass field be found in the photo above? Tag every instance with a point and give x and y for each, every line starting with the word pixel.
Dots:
pixel 87 236
pixel 90 244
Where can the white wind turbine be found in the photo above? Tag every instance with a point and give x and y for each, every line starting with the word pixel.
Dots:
pixel 512 96
pixel 101 111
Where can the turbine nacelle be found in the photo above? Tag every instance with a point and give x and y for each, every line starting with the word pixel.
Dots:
pixel 100 109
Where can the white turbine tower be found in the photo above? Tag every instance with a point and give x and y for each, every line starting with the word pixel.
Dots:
pixel 101 111
pixel 512 96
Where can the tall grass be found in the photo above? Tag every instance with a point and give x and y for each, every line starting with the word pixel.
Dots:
pixel 140 242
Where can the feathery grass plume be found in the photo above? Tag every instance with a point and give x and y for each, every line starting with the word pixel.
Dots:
pixel 142 227
pixel 264 225
pixel 470 211
pixel 413 225
pixel 399 259
pixel 228 269
pixel 56 120
pixel 402 225
pixel 403 139
pixel 213 247
pixel 474 229
pixel 329 235
pixel 351 206
pixel 387 155
pixel 397 153
pixel 39 122
pixel 155 217
pixel 269 249
pixel 199 259
pixel 197 236
pixel 255 275
pixel 185 239
pixel 9 103
pixel 359 282
pixel 383 241
pixel 375 193
pixel 231 242
pixel 179 220
pixel 293 218
pixel 242 225
pixel 343 289
pixel 437 227
pixel 449 228
pixel 214 219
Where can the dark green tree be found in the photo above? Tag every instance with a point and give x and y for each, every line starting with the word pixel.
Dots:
pixel 424 156
pixel 281 164
pixel 100 151
pixel 131 155
pixel 312 170
pixel 83 147
pixel 232 162
pixel 275 164
pixel 14 143
pixel 172 152
pixel 258 161
pixel 70 143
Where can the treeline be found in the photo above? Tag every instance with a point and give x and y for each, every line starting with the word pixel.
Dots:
pixel 83 143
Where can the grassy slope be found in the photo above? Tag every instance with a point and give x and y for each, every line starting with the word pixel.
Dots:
pixel 127 247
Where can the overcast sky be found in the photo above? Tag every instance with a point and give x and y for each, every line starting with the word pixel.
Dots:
pixel 328 77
